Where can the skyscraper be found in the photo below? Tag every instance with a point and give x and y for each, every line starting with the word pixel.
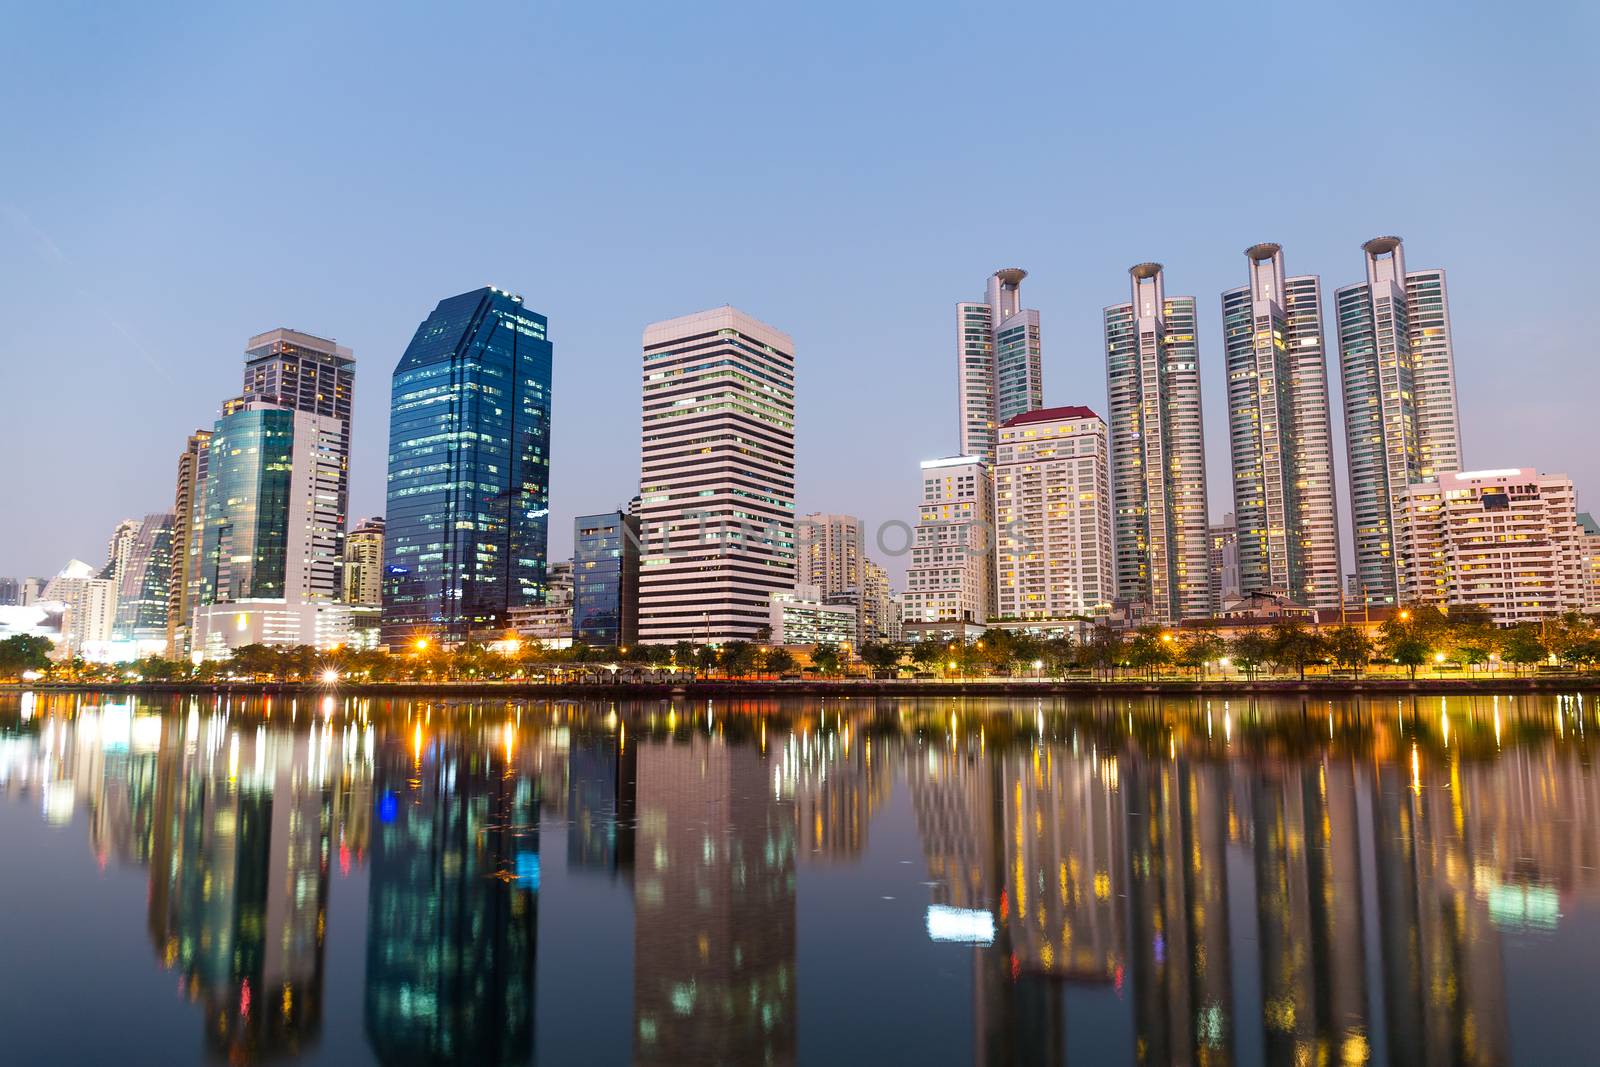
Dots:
pixel 1053 513
pixel 469 469
pixel 118 548
pixel 271 554
pixel 716 476
pixel 998 371
pixel 605 579
pixel 1281 433
pixel 143 572
pixel 363 564
pixel 303 373
pixel 1224 563
pixel 951 577
pixel 1158 470
pixel 188 526
pixel 1401 424
pixel 830 552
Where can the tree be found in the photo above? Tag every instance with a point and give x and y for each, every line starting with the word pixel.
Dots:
pixel 1410 651
pixel 1349 646
pixel 738 658
pixel 1199 648
pixel 1295 646
pixel 705 657
pixel 1522 646
pixel 825 658
pixel 23 652
pixel 1150 649
pixel 1250 650
pixel 778 660
pixel 881 655
pixel 1105 649
pixel 927 654
pixel 683 655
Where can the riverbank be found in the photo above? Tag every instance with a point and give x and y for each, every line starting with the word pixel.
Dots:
pixel 753 687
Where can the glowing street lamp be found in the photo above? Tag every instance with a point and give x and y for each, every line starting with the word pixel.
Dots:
pixel 330 676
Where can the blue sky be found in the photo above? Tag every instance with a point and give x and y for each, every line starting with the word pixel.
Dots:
pixel 176 178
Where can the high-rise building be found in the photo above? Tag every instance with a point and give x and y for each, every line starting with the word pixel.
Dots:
pixel 1401 425
pixel 143 572
pixel 951 576
pixel 831 552
pixel 1507 541
pixel 716 476
pixel 1158 468
pixel 548 624
pixel 10 592
pixel 272 552
pixel 1224 563
pixel 304 373
pixel 879 606
pixel 1052 505
pixel 91 609
pixel 998 365
pixel 1281 433
pixel 605 579
pixel 469 470
pixel 118 548
pixel 1589 545
pixel 363 563
pixel 188 527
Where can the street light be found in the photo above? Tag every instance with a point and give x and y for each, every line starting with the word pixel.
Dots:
pixel 330 676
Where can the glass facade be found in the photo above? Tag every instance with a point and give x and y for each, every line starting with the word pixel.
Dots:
pixel 469 470
pixel 243 545
pixel 605 579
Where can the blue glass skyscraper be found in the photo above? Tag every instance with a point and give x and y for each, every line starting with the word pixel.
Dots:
pixel 469 470
pixel 605 579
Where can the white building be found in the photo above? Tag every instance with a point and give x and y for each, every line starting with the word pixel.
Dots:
pixel 951 576
pixel 716 476
pixel 830 553
pixel 1224 563
pixel 89 610
pixel 998 367
pixel 801 616
pixel 1505 540
pixel 1052 505
pixel 1589 541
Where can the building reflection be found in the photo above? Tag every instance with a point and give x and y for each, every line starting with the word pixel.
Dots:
pixel 452 908
pixel 714 906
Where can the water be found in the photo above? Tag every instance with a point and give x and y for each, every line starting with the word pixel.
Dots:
pixel 346 881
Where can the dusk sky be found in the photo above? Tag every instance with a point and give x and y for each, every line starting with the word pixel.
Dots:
pixel 176 180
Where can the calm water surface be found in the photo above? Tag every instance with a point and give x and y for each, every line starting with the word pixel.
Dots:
pixel 348 881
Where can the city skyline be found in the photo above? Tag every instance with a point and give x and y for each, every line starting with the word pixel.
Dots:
pixel 171 286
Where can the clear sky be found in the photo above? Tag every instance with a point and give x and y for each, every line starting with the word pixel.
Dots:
pixel 176 178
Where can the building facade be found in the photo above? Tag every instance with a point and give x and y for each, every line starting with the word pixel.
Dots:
pixel 716 476
pixel 1507 541
pixel 1397 367
pixel 1052 505
pixel 549 624
pixel 951 576
pixel 1224 564
pixel 605 579
pixel 1589 546
pixel 831 552
pixel 303 372
pixel 804 616
pixel 271 560
pixel 469 470
pixel 999 371
pixel 90 610
pixel 1160 523
pixel 363 563
pixel 1280 433
pixel 188 526
pixel 143 572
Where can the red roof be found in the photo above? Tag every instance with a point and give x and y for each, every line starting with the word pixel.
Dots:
pixel 1050 415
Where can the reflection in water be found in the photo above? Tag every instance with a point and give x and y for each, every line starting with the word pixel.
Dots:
pixel 1219 882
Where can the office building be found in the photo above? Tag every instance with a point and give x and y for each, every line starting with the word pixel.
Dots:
pixel 271 554
pixel 363 563
pixel 1052 515
pixel 143 570
pixel 90 609
pixel 879 605
pixel 831 551
pixel 10 592
pixel 998 367
pixel 303 373
pixel 951 576
pixel 1224 574
pixel 1160 523
pixel 1281 433
pixel 118 548
pixel 716 476
pixel 188 526
pixel 605 579
pixel 469 470
pixel 1589 547
pixel 803 616
pixel 549 624
pixel 1507 541
pixel 32 590
pixel 1401 425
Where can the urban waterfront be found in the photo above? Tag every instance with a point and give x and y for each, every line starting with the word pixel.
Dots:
pixel 340 879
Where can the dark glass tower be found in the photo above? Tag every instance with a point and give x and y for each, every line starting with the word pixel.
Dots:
pixel 605 579
pixel 469 470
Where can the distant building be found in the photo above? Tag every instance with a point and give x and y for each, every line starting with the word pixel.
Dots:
pixel 829 552
pixel 951 576
pixel 363 563
pixel 1507 541
pixel 1158 473
pixel 1589 546
pixel 271 556
pixel 998 362
pixel 10 592
pixel 550 623
pixel 119 547
pixel 32 590
pixel 90 604
pixel 1224 563
pixel 879 605
pixel 803 617
pixel 469 470
pixel 605 579
pixel 716 476
pixel 188 529
pixel 1052 505
pixel 143 573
